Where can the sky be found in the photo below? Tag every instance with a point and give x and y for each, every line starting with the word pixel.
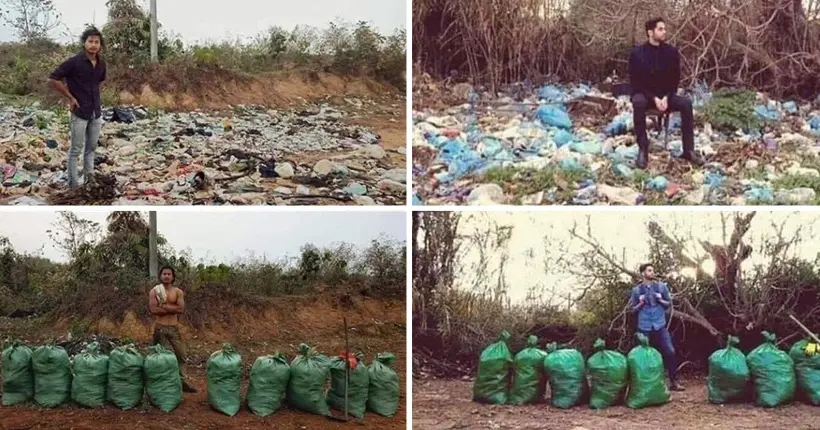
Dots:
pixel 201 20
pixel 224 236
pixel 540 236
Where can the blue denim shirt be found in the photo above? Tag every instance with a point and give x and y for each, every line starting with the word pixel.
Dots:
pixel 652 315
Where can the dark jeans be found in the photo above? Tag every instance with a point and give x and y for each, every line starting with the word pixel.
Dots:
pixel 676 104
pixel 662 340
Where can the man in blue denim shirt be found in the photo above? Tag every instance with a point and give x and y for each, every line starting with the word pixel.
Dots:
pixel 651 300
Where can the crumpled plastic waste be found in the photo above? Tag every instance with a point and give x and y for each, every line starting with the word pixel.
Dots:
pixel 621 124
pixel 206 157
pixel 767 113
pixel 563 137
pixel 658 183
pixel 759 195
pixel 554 116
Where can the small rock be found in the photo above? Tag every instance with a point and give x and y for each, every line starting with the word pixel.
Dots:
pixel 486 194
pixel 533 199
pixel 284 170
pixel 355 189
pixel 323 167
pixel 302 190
pixel 390 185
pixel 696 197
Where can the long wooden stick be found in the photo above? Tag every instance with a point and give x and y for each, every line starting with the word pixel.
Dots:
pixel 808 332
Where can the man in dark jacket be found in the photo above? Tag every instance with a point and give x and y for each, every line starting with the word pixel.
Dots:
pixel 654 74
pixel 83 73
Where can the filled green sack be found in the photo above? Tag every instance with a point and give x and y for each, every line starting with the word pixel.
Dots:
pixel 383 392
pixel 308 373
pixel 729 377
pixel 772 372
pixel 358 383
pixel 807 368
pixel 18 375
pixel 268 384
pixel 223 372
pixel 529 378
pixel 565 369
pixel 125 377
pixel 647 382
pixel 52 376
pixel 162 381
pixel 90 377
pixel 494 366
pixel 608 376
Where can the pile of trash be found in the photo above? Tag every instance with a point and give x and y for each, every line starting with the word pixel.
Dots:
pixel 121 375
pixel 575 145
pixel 251 155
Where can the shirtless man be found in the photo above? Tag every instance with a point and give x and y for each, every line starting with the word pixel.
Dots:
pixel 166 302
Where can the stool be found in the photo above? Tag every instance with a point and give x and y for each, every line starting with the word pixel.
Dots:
pixel 661 123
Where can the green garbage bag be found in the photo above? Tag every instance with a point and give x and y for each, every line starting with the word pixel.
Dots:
pixel 18 376
pixel 358 383
pixel 308 373
pixel 494 366
pixel 647 382
pixel 383 392
pixel 608 376
pixel 52 376
pixel 565 369
pixel 268 384
pixel 772 372
pixel 223 372
pixel 729 377
pixel 90 377
pixel 162 381
pixel 529 380
pixel 807 369
pixel 125 377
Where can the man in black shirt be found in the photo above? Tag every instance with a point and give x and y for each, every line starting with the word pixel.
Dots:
pixel 654 74
pixel 83 74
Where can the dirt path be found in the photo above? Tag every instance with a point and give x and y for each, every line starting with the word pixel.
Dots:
pixel 446 404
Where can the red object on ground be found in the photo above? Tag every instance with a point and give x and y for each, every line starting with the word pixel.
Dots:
pixel 672 189
pixel 151 192
pixel 351 360
pixel 451 133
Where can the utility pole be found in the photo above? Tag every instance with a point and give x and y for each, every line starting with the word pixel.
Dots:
pixel 154 50
pixel 152 245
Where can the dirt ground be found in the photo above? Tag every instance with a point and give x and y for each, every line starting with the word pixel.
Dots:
pixel 374 325
pixel 446 404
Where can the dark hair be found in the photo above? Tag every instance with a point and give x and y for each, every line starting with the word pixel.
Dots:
pixel 652 23
pixel 644 266
pixel 173 272
pixel 92 31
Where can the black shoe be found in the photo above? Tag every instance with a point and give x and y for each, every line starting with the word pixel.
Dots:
pixel 693 158
pixel 643 159
pixel 188 388
pixel 676 386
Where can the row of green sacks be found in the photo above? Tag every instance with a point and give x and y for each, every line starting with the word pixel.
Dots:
pixel 45 375
pixel 522 380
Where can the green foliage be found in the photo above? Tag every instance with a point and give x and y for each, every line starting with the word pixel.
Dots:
pixel 732 109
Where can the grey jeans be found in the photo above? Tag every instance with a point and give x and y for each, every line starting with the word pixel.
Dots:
pixel 84 137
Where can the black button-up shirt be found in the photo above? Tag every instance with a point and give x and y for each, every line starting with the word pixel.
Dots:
pixel 83 80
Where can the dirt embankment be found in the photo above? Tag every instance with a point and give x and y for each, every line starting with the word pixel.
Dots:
pixel 446 404
pixel 374 326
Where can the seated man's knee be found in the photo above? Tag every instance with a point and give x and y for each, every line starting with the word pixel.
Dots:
pixel 639 101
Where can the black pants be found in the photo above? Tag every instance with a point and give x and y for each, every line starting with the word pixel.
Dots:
pixel 676 104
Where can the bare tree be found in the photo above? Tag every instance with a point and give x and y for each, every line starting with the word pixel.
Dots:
pixel 71 232
pixel 31 19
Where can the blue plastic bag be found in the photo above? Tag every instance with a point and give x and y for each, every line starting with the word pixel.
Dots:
pixel 552 94
pixel 622 170
pixel 624 153
pixel 766 113
pixel 553 116
pixel 658 183
pixel 759 195
pixel 570 164
pixel 563 137
pixel 790 107
pixel 713 180
pixel 621 124
pixel 587 147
